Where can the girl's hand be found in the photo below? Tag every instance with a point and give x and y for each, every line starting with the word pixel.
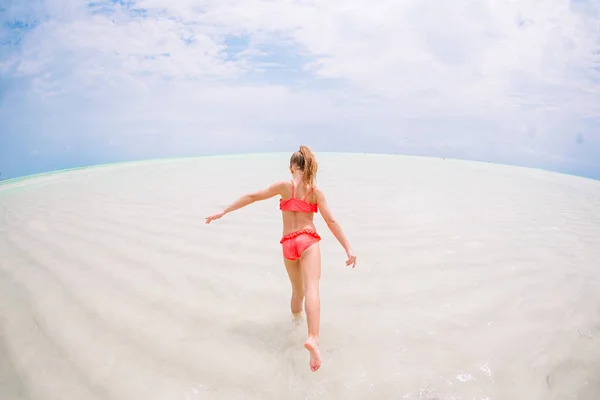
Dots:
pixel 214 216
pixel 351 259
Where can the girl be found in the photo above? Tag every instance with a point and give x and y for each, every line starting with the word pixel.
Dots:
pixel 300 200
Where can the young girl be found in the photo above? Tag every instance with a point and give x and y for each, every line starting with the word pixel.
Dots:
pixel 300 200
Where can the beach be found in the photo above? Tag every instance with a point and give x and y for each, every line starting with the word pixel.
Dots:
pixel 473 281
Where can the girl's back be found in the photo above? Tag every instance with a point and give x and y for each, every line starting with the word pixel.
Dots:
pixel 298 207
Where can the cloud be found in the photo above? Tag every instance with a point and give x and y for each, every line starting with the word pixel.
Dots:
pixel 497 80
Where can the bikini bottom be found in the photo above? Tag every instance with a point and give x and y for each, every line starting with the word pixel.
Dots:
pixel 295 243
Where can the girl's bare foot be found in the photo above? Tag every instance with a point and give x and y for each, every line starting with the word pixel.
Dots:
pixel 312 345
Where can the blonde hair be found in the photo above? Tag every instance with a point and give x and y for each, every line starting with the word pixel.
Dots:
pixel 306 162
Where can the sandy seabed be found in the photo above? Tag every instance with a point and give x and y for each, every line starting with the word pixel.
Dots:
pixel 474 281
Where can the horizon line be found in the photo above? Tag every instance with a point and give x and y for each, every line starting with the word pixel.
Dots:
pixel 4 181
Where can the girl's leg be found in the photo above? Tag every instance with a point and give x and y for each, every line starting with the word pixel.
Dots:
pixel 310 264
pixel 293 270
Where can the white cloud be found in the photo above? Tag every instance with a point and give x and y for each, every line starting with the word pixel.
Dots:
pixel 511 80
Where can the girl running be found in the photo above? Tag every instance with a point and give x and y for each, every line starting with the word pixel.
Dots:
pixel 300 200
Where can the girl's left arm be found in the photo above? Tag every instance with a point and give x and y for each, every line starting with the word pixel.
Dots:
pixel 249 198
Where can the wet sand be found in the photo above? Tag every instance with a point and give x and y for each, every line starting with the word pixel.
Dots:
pixel 474 281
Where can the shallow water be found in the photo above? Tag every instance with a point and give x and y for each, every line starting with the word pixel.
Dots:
pixel 474 281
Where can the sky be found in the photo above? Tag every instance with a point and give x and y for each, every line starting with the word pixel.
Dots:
pixel 506 81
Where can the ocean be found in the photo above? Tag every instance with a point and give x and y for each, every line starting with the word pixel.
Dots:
pixel 473 281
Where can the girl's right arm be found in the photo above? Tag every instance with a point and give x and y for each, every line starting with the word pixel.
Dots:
pixel 335 228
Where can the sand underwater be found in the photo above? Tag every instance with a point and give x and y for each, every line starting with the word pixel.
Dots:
pixel 474 281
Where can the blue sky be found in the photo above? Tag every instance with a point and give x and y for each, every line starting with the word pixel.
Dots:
pixel 94 82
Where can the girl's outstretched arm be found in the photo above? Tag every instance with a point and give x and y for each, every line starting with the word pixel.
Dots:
pixel 335 228
pixel 247 199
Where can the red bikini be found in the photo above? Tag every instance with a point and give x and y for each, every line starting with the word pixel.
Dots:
pixel 296 242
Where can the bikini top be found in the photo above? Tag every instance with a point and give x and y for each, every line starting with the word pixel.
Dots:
pixel 294 204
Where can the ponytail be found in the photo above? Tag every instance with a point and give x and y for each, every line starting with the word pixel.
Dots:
pixel 310 166
pixel 306 162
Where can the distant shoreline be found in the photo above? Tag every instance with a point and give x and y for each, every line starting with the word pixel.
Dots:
pixel 4 181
